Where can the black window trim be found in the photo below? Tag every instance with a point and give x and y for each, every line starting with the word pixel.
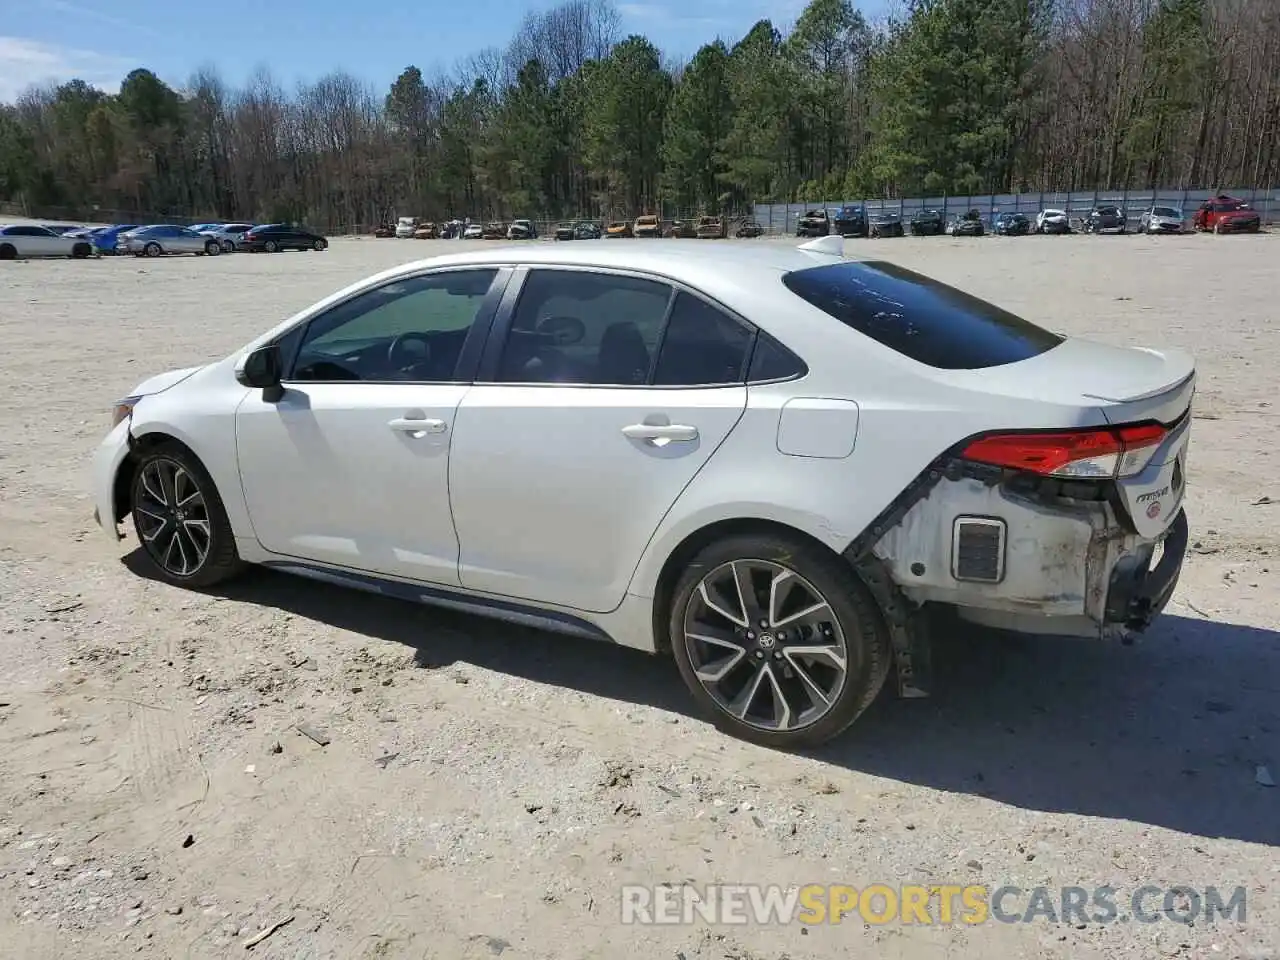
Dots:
pixel 487 374
pixel 468 359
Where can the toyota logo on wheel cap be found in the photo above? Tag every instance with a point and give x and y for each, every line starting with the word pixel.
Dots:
pixel 1153 511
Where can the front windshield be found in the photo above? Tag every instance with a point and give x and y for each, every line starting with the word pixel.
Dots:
pixel 1167 212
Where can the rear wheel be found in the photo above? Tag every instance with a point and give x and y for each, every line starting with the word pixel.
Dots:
pixel 270 246
pixel 320 244
pixel 778 640
pixel 213 248
pixel 81 251
pixel 152 249
pixel 180 520
pixel 228 246
pixel 8 251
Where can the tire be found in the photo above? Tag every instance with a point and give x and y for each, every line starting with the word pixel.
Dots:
pixel 172 553
pixel 319 245
pixel 228 246
pixel 811 571
pixel 81 251
pixel 8 251
pixel 1217 227
pixel 213 248
pixel 270 246
pixel 152 249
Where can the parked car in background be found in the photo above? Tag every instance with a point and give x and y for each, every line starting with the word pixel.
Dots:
pixel 1053 220
pixel 1224 214
pixel 851 220
pixel 748 230
pixel 1162 219
pixel 473 232
pixel 167 239
pixel 683 229
pixel 711 228
pixel 21 241
pixel 588 230
pixel 928 223
pixel 274 237
pixel 427 435
pixel 494 230
pixel 522 230
pixel 384 231
pixel 968 224
pixel 427 230
pixel 405 227
pixel 618 229
pixel 883 224
pixel 1011 225
pixel 229 235
pixel 815 223
pixel 647 226
pixel 106 240
pixel 1106 218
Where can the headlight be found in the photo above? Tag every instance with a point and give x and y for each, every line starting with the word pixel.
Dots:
pixel 122 409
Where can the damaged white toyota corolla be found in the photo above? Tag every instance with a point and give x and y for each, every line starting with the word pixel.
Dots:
pixel 772 462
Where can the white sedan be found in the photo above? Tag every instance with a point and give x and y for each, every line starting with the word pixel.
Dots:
pixel 18 241
pixel 1053 221
pixel 772 463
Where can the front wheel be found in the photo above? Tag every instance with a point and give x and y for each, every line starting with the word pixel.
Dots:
pixel 270 246
pixel 152 250
pixel 320 244
pixel 180 520
pixel 778 640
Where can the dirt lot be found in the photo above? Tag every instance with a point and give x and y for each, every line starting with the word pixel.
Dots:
pixel 488 789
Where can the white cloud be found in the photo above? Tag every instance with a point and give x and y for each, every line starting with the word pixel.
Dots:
pixel 25 63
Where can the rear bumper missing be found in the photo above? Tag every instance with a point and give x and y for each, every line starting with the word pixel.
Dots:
pixel 1068 566
pixel 1138 592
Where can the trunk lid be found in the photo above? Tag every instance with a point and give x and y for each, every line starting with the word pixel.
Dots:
pixel 1128 384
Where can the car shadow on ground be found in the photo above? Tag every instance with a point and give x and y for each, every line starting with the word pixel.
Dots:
pixel 1168 732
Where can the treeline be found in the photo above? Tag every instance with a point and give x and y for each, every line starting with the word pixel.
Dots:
pixel 572 118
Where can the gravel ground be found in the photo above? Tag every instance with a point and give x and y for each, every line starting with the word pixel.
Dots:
pixel 487 789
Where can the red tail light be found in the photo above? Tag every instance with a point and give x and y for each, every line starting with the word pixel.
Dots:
pixel 1083 454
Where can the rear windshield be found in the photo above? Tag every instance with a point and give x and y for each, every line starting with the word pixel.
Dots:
pixel 918 317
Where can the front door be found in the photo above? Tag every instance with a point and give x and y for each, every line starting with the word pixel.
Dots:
pixel 351 465
pixel 610 393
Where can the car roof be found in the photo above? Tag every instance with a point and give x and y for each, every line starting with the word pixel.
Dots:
pixel 730 272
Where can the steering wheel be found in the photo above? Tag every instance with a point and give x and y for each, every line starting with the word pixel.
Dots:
pixel 408 350
pixel 562 331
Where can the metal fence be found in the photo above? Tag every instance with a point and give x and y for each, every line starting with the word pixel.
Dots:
pixel 780 218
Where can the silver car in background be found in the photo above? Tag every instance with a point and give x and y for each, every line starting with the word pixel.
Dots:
pixel 228 235
pixel 1162 219
pixel 162 239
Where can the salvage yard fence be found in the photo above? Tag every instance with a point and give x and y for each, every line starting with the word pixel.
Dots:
pixel 781 218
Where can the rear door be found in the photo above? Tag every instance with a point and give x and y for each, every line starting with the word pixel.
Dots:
pixel 601 396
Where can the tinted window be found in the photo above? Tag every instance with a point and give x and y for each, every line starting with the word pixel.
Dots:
pixel 701 346
pixel 574 326
pixel 772 361
pixel 918 317
pixel 410 329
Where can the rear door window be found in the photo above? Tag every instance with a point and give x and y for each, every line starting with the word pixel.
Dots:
pixel 918 317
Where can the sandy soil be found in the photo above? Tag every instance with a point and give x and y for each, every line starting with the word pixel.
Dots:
pixel 488 789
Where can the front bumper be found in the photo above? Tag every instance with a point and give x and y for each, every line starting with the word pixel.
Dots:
pixel 107 461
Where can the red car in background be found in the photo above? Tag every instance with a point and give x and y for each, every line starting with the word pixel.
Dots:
pixel 1224 214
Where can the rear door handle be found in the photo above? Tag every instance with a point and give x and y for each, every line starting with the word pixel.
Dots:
pixel 417 428
pixel 665 433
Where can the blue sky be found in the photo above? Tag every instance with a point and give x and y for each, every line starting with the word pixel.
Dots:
pixel 101 40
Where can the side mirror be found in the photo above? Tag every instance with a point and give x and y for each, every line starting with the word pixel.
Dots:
pixel 261 369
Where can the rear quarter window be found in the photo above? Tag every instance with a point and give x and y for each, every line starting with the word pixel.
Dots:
pixel 918 317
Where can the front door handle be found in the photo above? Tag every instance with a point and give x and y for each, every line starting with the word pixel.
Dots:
pixel 659 433
pixel 417 428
